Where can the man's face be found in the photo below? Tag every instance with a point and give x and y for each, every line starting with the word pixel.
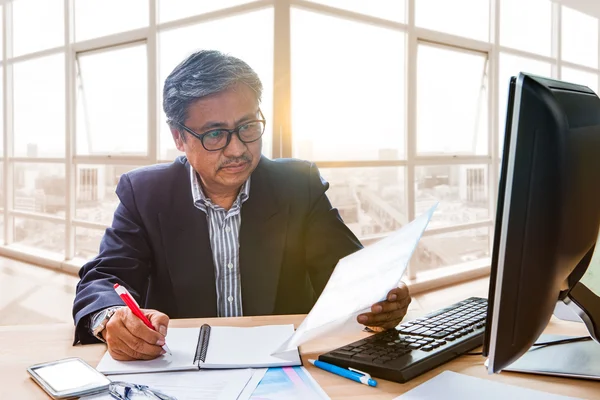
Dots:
pixel 226 169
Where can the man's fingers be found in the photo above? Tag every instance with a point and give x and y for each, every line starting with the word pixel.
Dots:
pixel 390 306
pixel 121 341
pixel 398 293
pixel 138 329
pixel 159 320
pixel 133 352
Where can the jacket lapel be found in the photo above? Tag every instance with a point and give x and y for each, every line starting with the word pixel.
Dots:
pixel 186 241
pixel 262 241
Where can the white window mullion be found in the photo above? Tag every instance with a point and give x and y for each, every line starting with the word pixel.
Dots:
pixel 494 113
pixel 411 118
pixel 7 77
pixel 556 40
pixel 70 109
pixel 153 85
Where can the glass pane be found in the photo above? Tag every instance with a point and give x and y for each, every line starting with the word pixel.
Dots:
pixel 87 242
pixel 255 47
pixel 452 106
pixel 47 18
pixel 580 77
pixel 39 107
pixel 371 201
pixel 109 123
pixel 451 17
pixel 94 18
pixel 511 66
pixel 461 190
pixel 40 188
pixel 1 35
pixel 579 37
pixel 451 249
pixel 526 25
pixel 95 197
pixel 346 107
pixel 394 10
pixel 40 235
pixel 176 9
pixel 1 107
pixel 591 278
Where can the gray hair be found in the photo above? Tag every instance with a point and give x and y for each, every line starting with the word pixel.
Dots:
pixel 203 73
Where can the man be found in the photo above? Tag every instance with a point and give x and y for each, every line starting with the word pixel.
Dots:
pixel 222 231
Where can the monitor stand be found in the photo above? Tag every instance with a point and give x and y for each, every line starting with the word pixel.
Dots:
pixel 571 360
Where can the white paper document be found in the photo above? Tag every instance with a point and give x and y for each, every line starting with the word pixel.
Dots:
pixel 193 385
pixel 454 386
pixel 359 281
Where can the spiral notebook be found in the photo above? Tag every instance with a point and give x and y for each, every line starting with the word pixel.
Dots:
pixel 214 347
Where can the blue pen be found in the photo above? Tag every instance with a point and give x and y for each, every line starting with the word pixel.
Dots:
pixel 350 373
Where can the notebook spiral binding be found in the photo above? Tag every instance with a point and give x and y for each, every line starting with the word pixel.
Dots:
pixel 202 346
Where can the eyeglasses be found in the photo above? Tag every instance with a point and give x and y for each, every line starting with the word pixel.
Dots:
pixel 218 139
pixel 124 391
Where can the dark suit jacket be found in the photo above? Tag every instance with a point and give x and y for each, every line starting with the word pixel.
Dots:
pixel 159 247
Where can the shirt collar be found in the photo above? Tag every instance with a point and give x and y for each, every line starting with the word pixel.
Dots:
pixel 200 198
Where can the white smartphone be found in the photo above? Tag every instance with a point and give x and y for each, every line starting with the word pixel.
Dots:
pixel 69 378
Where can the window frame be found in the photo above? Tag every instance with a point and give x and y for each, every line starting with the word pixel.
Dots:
pixel 282 132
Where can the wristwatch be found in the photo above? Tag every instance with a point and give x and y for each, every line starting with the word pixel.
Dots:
pixel 99 321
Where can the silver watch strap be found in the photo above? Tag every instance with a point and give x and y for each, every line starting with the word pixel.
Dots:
pixel 95 318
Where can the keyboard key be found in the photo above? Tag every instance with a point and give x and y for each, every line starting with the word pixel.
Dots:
pixel 421 341
pixel 419 331
pixel 361 357
pixel 428 340
pixel 414 346
pixel 347 348
pixel 434 345
pixel 440 334
pixel 427 348
pixel 442 342
pixel 341 353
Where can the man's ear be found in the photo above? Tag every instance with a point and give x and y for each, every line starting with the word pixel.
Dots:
pixel 178 139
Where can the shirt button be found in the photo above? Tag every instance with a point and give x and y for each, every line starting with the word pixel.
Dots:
pixel 228 229
pixel 230 298
pixel 230 265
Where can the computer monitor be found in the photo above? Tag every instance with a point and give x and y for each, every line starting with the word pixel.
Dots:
pixel 547 217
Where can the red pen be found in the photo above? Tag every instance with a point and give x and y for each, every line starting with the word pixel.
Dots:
pixel 135 309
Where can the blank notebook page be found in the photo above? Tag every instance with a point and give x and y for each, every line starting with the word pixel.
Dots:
pixel 232 346
pixel 181 341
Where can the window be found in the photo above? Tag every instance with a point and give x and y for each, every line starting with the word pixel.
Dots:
pixel 255 47
pixel 40 188
pixel 112 114
pixel 95 197
pixel 437 251
pixel 334 112
pixel 526 25
pixel 461 190
pixel 37 25
pixel 39 235
pixel 591 278
pixel 87 242
pixel 94 18
pixel 39 107
pixel 394 10
pixel 580 77
pixel 1 104
pixel 452 17
pixel 579 38
pixel 175 9
pixel 371 201
pixel 451 101
pixel 511 66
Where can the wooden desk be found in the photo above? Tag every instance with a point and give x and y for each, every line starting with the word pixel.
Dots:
pixel 22 346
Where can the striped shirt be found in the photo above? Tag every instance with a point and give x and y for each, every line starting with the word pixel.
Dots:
pixel 224 232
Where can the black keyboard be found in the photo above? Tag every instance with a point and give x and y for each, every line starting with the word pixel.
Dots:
pixel 417 346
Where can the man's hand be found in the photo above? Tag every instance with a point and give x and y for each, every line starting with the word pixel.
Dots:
pixel 387 314
pixel 128 338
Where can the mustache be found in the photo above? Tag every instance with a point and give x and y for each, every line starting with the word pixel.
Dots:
pixel 237 160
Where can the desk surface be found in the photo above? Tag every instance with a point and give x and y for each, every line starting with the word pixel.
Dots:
pixel 22 346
